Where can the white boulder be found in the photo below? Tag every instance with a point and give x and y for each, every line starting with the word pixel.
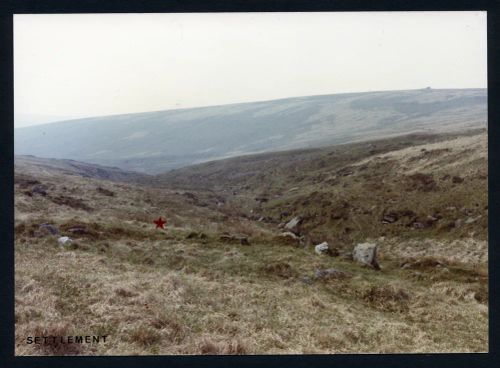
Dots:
pixel 322 248
pixel 64 240
pixel 293 225
pixel 366 253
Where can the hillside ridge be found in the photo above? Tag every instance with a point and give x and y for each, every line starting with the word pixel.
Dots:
pixel 156 142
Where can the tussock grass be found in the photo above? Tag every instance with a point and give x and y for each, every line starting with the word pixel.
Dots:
pixel 387 298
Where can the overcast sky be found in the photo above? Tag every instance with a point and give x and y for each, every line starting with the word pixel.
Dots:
pixel 80 65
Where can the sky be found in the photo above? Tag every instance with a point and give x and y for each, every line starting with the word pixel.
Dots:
pixel 81 65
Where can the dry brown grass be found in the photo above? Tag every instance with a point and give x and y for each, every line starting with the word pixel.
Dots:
pixel 208 347
pixel 144 336
pixel 125 293
pixel 56 348
pixel 168 292
pixel 388 298
pixel 264 311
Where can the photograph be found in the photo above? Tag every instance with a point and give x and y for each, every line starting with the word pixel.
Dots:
pixel 250 183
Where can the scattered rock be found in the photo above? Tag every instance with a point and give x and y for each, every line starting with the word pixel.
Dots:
pixel 390 218
pixel 466 211
pixel 366 253
pixel 64 240
pixel 72 202
pixel 48 229
pixel 324 249
pixel 306 280
pixel 321 248
pixel 294 225
pixel 105 192
pixel 39 189
pixel 345 171
pixel 435 217
pixel 471 220
pixel 330 274
pixel 418 225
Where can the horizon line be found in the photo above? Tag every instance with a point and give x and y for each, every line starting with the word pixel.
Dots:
pixel 237 103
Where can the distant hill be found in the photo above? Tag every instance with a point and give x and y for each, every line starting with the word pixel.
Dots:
pixel 47 166
pixel 156 142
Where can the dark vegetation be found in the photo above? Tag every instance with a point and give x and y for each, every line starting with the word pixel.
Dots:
pixel 343 202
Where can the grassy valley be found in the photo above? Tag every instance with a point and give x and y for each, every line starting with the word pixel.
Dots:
pixel 222 279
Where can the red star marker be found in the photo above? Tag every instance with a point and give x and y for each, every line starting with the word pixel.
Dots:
pixel 159 223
